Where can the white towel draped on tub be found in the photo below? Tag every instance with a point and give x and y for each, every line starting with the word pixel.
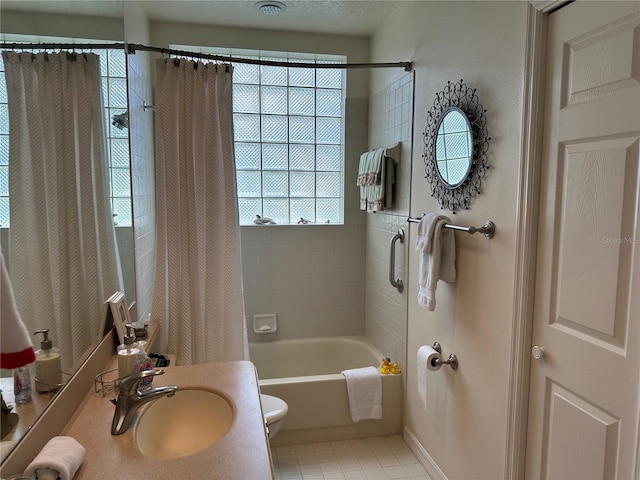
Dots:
pixel 364 387
pixel 437 257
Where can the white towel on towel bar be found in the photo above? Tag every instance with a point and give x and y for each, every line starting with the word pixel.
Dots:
pixel 437 257
pixel 369 168
pixel 364 387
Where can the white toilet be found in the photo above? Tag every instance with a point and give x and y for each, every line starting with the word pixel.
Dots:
pixel 274 409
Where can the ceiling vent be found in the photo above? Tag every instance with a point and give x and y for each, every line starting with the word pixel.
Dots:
pixel 271 7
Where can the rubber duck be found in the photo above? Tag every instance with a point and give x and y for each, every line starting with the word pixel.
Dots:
pixel 385 368
pixel 395 369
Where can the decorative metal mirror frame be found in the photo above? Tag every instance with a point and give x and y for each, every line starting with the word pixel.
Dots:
pixel 457 197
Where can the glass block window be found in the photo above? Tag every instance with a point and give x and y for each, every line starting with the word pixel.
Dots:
pixel 289 137
pixel 114 94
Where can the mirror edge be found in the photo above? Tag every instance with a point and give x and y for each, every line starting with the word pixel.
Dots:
pixel 20 21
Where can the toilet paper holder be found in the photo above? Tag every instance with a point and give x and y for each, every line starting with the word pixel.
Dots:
pixel 452 361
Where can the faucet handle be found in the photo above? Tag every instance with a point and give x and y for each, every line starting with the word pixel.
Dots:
pixel 129 384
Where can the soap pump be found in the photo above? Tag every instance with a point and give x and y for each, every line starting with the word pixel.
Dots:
pixel 48 374
pixel 127 353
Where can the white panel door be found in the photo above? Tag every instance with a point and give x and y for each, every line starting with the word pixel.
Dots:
pixel 584 387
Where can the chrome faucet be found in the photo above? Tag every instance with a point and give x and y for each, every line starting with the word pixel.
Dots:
pixel 130 398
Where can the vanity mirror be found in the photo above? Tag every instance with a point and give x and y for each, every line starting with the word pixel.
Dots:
pixel 43 21
pixel 456 145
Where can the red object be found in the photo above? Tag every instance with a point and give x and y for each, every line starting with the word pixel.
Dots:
pixel 17 359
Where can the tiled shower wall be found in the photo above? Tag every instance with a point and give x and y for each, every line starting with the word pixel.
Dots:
pixel 312 276
pixel 390 122
pixel 333 280
pixel 142 178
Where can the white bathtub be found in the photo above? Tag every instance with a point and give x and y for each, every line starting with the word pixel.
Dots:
pixel 305 373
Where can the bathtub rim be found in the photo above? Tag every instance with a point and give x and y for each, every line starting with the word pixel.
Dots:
pixel 348 339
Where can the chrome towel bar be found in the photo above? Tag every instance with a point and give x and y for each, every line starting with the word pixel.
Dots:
pixel 488 229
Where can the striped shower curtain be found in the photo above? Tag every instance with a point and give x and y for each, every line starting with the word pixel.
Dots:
pixel 63 256
pixel 198 296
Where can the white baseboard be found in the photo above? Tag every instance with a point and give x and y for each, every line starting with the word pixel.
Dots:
pixel 429 464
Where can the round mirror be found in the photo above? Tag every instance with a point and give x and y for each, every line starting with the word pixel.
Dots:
pixel 453 147
pixel 456 142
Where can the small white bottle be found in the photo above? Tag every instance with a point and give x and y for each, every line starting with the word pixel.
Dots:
pixel 48 374
pixel 128 354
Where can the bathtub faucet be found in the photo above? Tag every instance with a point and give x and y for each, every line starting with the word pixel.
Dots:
pixel 130 399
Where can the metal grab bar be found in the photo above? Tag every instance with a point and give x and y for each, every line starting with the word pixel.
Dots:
pixel 392 261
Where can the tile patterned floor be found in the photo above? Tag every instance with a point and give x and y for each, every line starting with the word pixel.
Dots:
pixel 376 458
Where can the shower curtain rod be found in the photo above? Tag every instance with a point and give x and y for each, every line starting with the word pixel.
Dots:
pixel 132 48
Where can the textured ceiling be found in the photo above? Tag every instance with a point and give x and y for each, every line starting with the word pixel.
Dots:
pixel 348 17
pixel 351 17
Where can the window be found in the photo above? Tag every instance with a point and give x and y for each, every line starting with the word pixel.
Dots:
pixel 289 137
pixel 114 92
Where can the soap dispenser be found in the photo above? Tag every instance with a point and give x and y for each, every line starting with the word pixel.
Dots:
pixel 128 353
pixel 48 374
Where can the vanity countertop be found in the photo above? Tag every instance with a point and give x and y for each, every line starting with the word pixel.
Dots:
pixel 243 453
pixel 27 412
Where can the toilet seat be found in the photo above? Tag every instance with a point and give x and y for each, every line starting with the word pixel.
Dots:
pixel 273 408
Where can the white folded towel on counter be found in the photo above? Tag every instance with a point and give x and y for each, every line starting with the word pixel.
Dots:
pixel 59 458
pixel 364 387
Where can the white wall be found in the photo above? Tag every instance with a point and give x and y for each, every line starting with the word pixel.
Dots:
pixel 463 428
pixel 58 25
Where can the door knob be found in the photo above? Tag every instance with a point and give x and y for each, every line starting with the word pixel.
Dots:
pixel 538 352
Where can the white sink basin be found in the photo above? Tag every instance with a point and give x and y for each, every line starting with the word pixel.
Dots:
pixel 191 420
